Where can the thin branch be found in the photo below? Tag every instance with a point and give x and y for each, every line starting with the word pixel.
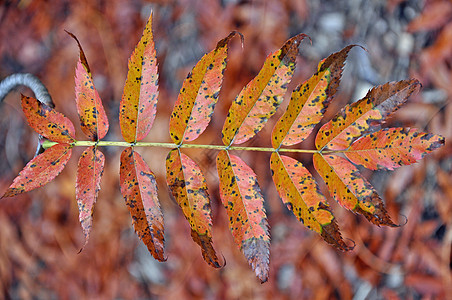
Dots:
pixel 34 84
pixel 29 80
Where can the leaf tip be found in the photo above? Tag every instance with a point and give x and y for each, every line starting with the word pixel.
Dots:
pixel 257 252
pixel 414 84
pixel 85 243
pixel 226 40
pixel 82 58
pixel 86 227
pixel 290 48
pixel 379 217
pixel 13 191
pixel 362 47
pixel 332 235
pixel 208 252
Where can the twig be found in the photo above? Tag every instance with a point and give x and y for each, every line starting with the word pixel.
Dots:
pixel 34 84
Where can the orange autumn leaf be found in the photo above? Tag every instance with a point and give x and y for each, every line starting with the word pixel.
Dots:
pixel 350 189
pixel 87 185
pixel 189 188
pixel 40 170
pixel 305 110
pixel 391 148
pixel 139 189
pixel 241 196
pixel 300 193
pixel 139 100
pixel 309 101
pixel 93 118
pixel 260 98
pixel 47 121
pixel 364 116
pixel 199 94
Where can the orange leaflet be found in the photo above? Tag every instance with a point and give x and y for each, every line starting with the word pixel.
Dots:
pixel 139 100
pixel 189 188
pixel 241 196
pixel 199 94
pixel 261 97
pixel 93 119
pixel 391 148
pixel 350 189
pixel 299 191
pixel 47 121
pixel 305 110
pixel 40 170
pixel 309 101
pixel 139 189
pixel 89 172
pixel 364 116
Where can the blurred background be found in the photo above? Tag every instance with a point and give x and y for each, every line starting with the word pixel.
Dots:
pixel 40 235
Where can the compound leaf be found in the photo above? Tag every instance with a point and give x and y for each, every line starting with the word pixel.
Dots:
pixel 350 189
pixel 89 172
pixel 40 170
pixel 309 101
pixel 93 119
pixel 391 148
pixel 199 94
pixel 364 116
pixel 260 98
pixel 189 188
pixel 241 196
pixel 299 192
pixel 139 100
pixel 139 189
pixel 47 121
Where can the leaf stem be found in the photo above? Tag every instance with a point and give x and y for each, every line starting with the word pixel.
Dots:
pixel 47 144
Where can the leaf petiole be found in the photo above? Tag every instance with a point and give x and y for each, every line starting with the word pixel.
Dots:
pixel 47 144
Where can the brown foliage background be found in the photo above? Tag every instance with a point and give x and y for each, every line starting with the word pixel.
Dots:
pixel 40 234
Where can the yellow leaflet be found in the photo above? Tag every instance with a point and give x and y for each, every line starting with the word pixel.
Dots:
pixel 305 110
pixel 261 97
pixel 139 100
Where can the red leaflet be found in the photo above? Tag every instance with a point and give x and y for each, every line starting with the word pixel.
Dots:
pixel 241 196
pixel 189 188
pixel 40 170
pixel 199 94
pixel 93 119
pixel 139 189
pixel 139 100
pixel 391 148
pixel 47 121
pixel 89 172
